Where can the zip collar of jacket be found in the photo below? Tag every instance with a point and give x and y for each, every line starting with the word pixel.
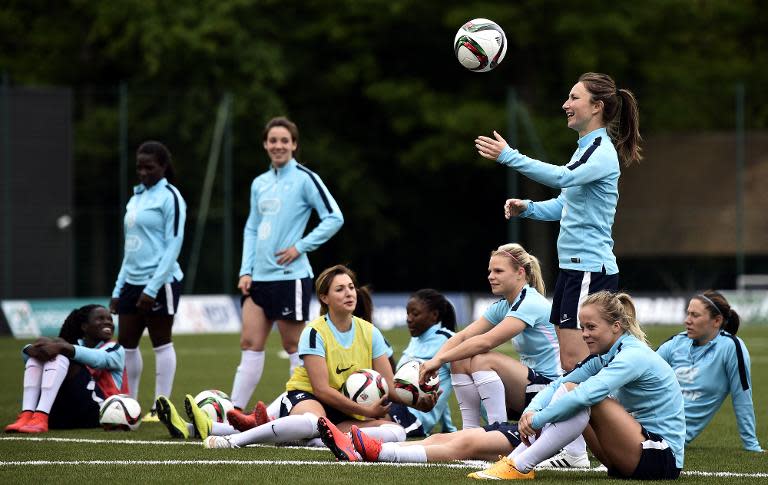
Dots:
pixel 137 189
pixel 289 166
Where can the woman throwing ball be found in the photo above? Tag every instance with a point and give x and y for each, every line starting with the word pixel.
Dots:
pixel 607 121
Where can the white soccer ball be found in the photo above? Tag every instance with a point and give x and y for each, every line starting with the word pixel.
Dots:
pixel 215 404
pixel 365 386
pixel 480 45
pixel 407 383
pixel 120 412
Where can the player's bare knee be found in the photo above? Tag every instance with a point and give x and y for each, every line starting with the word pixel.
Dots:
pixel 461 367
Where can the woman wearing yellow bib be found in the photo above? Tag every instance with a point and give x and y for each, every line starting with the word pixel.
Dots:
pixel 332 347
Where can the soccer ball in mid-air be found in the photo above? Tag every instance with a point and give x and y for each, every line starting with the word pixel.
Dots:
pixel 365 386
pixel 480 45
pixel 215 404
pixel 407 385
pixel 121 412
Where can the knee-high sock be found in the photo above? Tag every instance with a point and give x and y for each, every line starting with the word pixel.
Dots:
pixel 273 410
pixel 387 433
pixel 165 369
pixel 281 430
pixel 247 377
pixel 469 400
pixel 133 367
pixel 553 437
pixel 222 429
pixel 491 390
pixel 403 454
pixel 33 376
pixel 54 373
pixel 294 361
pixel 577 447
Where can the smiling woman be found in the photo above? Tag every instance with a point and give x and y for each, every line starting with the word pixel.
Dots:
pixel 66 378
pixel 607 121
pixel 275 274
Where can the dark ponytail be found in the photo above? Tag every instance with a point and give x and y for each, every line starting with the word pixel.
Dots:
pixel 438 302
pixel 72 328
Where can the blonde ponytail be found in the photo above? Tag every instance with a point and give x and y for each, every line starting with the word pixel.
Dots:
pixel 519 257
pixel 618 307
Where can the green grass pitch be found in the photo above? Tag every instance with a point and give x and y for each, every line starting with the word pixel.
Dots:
pixel 209 361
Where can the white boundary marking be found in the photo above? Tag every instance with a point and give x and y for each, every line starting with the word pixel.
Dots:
pixel 467 464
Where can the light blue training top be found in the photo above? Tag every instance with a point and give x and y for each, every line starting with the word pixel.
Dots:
pixel 154 231
pixel 379 344
pixel 636 376
pixel 587 202
pixel 537 345
pixel 282 199
pixel 422 348
pixel 707 374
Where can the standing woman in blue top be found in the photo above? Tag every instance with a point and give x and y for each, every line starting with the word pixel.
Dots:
pixel 275 275
pixel 148 287
pixel 607 121
pixel 623 398
pixel 710 362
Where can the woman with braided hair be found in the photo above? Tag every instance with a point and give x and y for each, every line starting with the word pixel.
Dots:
pixel 66 378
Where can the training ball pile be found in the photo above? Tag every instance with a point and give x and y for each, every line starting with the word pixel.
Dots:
pixel 215 404
pixel 365 386
pixel 480 45
pixel 407 385
pixel 120 412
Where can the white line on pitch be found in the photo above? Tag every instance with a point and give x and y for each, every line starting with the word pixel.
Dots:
pixel 463 465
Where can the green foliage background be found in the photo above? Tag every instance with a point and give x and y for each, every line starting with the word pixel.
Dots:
pixel 387 116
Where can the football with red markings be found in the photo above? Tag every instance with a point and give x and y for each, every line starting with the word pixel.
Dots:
pixel 120 412
pixel 365 386
pixel 215 404
pixel 407 385
pixel 480 45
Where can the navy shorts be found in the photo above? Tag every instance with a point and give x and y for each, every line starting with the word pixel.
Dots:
pixel 657 462
pixel 282 300
pixel 169 292
pixel 509 431
pixel 293 398
pixel 536 382
pixel 401 414
pixel 572 288
pixel 75 406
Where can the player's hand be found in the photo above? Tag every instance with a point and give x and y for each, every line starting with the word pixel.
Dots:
pixel 525 427
pixel 428 370
pixel 514 207
pixel 113 305
pixel 377 410
pixel 490 148
pixel 244 284
pixel 286 256
pixel 427 402
pixel 145 303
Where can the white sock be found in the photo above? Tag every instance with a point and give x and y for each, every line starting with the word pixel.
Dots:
pixel 281 430
pixel 295 361
pixel 553 437
pixel 315 443
pixel 273 410
pixel 247 377
pixel 54 373
pixel 403 454
pixel 165 370
pixel 133 367
pixel 469 400
pixel 577 447
pixel 222 429
pixel 33 377
pixel 387 433
pixel 491 390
